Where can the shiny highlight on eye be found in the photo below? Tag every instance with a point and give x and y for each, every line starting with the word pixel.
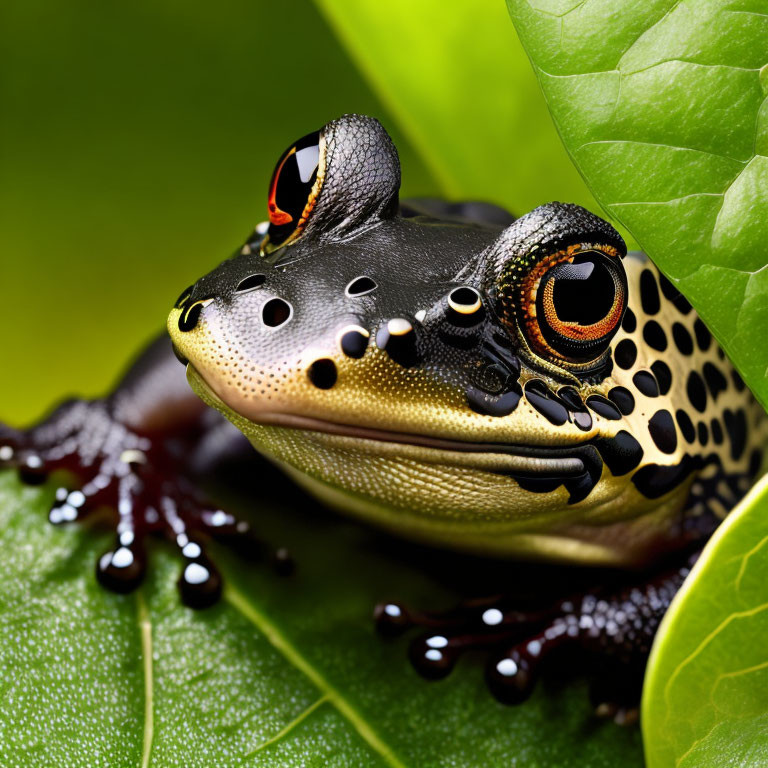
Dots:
pixel 293 190
pixel 571 303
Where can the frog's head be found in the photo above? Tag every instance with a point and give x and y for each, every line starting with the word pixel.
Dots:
pixel 451 380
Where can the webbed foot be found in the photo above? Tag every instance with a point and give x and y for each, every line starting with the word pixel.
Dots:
pixel 609 632
pixel 142 479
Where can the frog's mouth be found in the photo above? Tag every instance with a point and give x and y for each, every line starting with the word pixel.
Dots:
pixel 536 468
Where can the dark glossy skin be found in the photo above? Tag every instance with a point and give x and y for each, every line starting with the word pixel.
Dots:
pixel 514 388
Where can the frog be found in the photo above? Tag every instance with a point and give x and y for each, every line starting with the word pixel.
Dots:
pixel 517 388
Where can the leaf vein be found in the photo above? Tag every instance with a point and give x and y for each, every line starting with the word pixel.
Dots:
pixel 289 727
pixel 658 144
pixel 145 628
pixel 281 643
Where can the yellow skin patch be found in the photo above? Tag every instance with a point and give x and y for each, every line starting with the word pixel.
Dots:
pixel 435 494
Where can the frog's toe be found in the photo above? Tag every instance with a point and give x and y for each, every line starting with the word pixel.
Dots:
pixel 200 582
pixel 111 467
pixel 16 452
pixel 155 501
pixel 610 632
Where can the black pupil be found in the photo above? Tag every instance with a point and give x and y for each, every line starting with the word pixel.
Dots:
pixel 583 291
pixel 297 175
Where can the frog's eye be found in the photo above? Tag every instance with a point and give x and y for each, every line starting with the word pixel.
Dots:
pixel 558 285
pixel 293 189
pixel 571 302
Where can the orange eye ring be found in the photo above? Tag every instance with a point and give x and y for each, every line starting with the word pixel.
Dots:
pixel 570 304
pixel 293 190
pixel 277 216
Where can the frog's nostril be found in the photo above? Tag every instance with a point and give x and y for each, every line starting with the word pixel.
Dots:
pixel 360 286
pixel 190 315
pixel 322 373
pixel 276 312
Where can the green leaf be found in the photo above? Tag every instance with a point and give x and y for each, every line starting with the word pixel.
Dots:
pixel 662 108
pixel 144 135
pixel 705 701
pixel 458 85
pixel 282 672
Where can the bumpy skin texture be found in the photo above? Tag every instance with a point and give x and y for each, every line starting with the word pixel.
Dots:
pixel 453 430
pixel 385 358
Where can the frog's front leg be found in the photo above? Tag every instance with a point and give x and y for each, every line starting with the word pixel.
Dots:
pixel 139 451
pixel 613 626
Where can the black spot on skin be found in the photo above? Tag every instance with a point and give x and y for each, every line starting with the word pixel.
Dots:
pixel 655 480
pixel 697 393
pixel 736 427
pixel 738 382
pixel 494 405
pixel 250 282
pixel 623 399
pixel 703 433
pixel 654 336
pixel 755 462
pixel 322 373
pixel 717 431
pixel 603 407
pixel 682 338
pixel 579 487
pixel 672 294
pixel 663 376
pixel 716 382
pixel 686 425
pixel 582 420
pixel 275 312
pixel 703 336
pixel 645 381
pixel 538 484
pixel 400 347
pixel 537 394
pixel 629 323
pixel 500 350
pixel 621 453
pixel 649 293
pixel 662 430
pixel 353 344
pixel 625 353
pixel 669 290
pixel 570 396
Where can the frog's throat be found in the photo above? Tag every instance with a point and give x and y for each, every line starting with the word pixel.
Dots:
pixel 612 530
pixel 564 462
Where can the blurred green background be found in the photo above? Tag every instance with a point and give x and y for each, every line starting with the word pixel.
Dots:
pixel 137 140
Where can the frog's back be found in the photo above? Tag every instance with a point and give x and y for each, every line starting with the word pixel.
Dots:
pixel 701 429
